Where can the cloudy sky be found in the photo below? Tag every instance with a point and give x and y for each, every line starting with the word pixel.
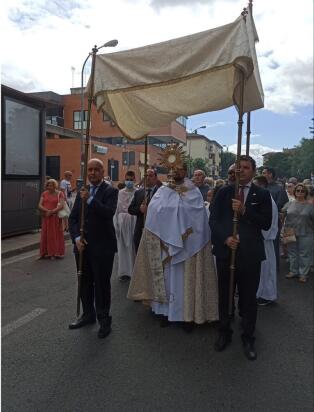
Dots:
pixel 46 42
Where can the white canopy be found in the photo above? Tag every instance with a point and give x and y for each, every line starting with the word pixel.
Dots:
pixel 148 87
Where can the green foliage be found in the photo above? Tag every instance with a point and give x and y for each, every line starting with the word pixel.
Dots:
pixel 198 163
pixel 297 162
pixel 227 159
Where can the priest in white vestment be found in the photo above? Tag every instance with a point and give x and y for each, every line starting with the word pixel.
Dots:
pixel 174 268
pixel 124 226
pixel 267 290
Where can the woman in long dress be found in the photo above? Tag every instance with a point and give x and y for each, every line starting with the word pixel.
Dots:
pixel 52 239
pixel 299 216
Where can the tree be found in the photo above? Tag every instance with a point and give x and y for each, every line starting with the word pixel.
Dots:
pixel 297 162
pixel 304 159
pixel 227 159
pixel 282 162
pixel 199 163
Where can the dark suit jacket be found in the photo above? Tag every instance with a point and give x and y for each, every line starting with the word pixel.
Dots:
pixel 134 209
pixel 98 224
pixel 257 217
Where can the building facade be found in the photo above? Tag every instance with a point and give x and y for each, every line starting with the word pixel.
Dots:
pixel 65 144
pixel 200 147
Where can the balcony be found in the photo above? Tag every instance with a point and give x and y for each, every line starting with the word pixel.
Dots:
pixel 55 120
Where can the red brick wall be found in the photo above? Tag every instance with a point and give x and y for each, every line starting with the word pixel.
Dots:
pixel 69 152
pixel 99 127
pixel 69 149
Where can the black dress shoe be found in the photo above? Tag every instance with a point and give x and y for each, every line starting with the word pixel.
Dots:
pixel 164 322
pixel 224 339
pixel 188 327
pixel 82 321
pixel 105 327
pixel 249 350
pixel 124 278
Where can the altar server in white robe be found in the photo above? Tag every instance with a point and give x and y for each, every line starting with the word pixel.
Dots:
pixel 267 290
pixel 124 225
pixel 174 268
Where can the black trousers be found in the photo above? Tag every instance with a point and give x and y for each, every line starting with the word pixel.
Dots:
pixel 95 283
pixel 247 276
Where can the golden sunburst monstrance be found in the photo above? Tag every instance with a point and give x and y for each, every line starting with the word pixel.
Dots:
pixel 172 157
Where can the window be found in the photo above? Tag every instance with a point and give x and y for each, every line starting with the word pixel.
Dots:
pixel 53 167
pixel 105 117
pixel 182 120
pixel 128 158
pixel 77 120
pixel 55 120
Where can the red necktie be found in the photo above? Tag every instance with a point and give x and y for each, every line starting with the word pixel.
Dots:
pixel 241 194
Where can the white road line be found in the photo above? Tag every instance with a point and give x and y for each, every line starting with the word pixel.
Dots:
pixel 10 327
pixel 18 258
pixel 23 256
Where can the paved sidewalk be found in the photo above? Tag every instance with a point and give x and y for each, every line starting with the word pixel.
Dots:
pixel 15 245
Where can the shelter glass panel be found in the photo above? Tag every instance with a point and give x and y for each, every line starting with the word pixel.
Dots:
pixel 22 139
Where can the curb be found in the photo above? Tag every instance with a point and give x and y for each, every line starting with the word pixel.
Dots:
pixel 26 248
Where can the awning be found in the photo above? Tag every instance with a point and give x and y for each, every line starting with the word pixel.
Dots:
pixel 148 87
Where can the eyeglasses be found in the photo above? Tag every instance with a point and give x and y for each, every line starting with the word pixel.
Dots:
pixel 300 191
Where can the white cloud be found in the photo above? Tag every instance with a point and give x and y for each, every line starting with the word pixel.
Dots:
pixel 44 39
pixel 216 124
pixel 256 151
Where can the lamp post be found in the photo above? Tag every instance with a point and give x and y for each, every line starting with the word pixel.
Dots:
pixel 111 168
pixel 201 127
pixel 189 148
pixel 127 157
pixel 111 43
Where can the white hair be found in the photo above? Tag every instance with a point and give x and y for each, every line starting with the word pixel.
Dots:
pixel 96 161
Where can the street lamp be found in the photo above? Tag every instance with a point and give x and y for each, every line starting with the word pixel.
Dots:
pixel 201 127
pixel 111 168
pixel 110 43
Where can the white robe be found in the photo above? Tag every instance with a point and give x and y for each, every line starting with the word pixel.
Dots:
pixel 124 225
pixel 177 216
pixel 268 282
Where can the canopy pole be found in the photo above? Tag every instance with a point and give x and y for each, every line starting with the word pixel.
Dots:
pixel 145 172
pixel 145 161
pixel 248 133
pixel 248 119
pixel 86 156
pixel 236 194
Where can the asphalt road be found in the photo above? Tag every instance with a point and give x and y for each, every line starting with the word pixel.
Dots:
pixel 140 366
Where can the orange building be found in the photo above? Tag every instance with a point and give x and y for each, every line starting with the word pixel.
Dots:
pixel 64 143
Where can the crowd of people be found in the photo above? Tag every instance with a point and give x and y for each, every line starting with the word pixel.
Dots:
pixel 174 243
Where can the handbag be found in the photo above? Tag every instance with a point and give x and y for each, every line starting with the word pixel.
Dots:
pixel 288 235
pixel 65 211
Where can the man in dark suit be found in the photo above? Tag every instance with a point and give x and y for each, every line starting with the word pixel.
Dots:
pixel 98 248
pixel 140 201
pixel 254 208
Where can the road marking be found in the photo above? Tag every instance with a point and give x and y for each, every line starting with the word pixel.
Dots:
pixel 26 255
pixel 10 327
pixel 18 258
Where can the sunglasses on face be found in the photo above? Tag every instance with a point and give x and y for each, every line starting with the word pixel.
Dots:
pixel 300 191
